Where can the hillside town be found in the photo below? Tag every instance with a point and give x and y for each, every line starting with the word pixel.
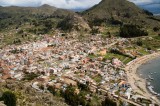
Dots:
pixel 79 53
pixel 58 62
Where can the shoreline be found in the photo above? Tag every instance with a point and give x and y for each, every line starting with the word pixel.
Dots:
pixel 137 83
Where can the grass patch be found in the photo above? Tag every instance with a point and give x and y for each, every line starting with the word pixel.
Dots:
pixel 150 43
pixel 110 30
pixel 96 101
pixel 92 56
pixel 52 77
pixel 30 76
pixel 143 51
pixel 127 60
pixel 123 58
pixel 17 39
pixel 153 43
pixel 157 37
pixel 97 78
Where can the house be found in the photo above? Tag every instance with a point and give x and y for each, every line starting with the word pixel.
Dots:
pixel 6 76
pixel 58 85
pixel 103 52
pixel 116 62
pixel 35 86
pixel 77 91
pixel 69 81
pixel 18 76
pixel 123 84
pixel 128 93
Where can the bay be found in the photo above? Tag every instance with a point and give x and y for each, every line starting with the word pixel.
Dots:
pixel 152 69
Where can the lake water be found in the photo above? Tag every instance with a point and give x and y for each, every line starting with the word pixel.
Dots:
pixel 151 68
pixel 154 8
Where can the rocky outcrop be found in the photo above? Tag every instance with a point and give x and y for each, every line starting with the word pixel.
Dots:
pixel 74 23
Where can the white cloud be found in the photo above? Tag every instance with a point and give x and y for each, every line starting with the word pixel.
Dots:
pixel 68 4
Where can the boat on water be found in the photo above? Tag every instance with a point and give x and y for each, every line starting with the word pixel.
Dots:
pixel 148 83
pixel 150 77
pixel 152 91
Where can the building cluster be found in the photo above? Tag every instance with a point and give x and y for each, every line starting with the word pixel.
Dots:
pixel 59 62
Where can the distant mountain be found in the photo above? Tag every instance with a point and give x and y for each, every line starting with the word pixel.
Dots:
pixel 44 9
pixel 37 16
pixel 154 8
pixel 118 12
pixel 79 9
pixel 41 19
pixel 157 14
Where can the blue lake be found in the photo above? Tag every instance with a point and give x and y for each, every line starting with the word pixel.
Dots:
pixel 151 68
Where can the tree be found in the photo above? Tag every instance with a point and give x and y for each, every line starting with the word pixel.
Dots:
pixel 20 32
pixel 139 42
pixel 74 99
pixel 155 29
pixel 52 90
pixel 108 102
pixel 129 30
pixel 9 98
pixel 84 86
pixel 70 96
pixel 95 31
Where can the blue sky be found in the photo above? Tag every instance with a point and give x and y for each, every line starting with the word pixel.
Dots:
pixel 67 4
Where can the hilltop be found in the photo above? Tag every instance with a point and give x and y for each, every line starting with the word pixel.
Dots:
pixel 44 18
pixel 14 15
pixel 118 12
pixel 22 24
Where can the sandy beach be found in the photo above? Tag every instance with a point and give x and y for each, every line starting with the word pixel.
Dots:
pixel 139 84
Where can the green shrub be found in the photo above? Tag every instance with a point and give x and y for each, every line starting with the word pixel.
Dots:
pixel 95 31
pixel 9 98
pixel 116 22
pixel 51 90
pixel 155 29
pixel 96 22
pixel 20 32
pixel 139 43
pixel 74 99
pixel 30 76
pixel 108 102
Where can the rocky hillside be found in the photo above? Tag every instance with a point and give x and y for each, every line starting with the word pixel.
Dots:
pixel 28 96
pixel 74 23
pixel 41 20
pixel 41 16
pixel 16 16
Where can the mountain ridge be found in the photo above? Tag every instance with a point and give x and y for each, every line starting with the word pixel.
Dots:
pixel 121 11
pixel 107 11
